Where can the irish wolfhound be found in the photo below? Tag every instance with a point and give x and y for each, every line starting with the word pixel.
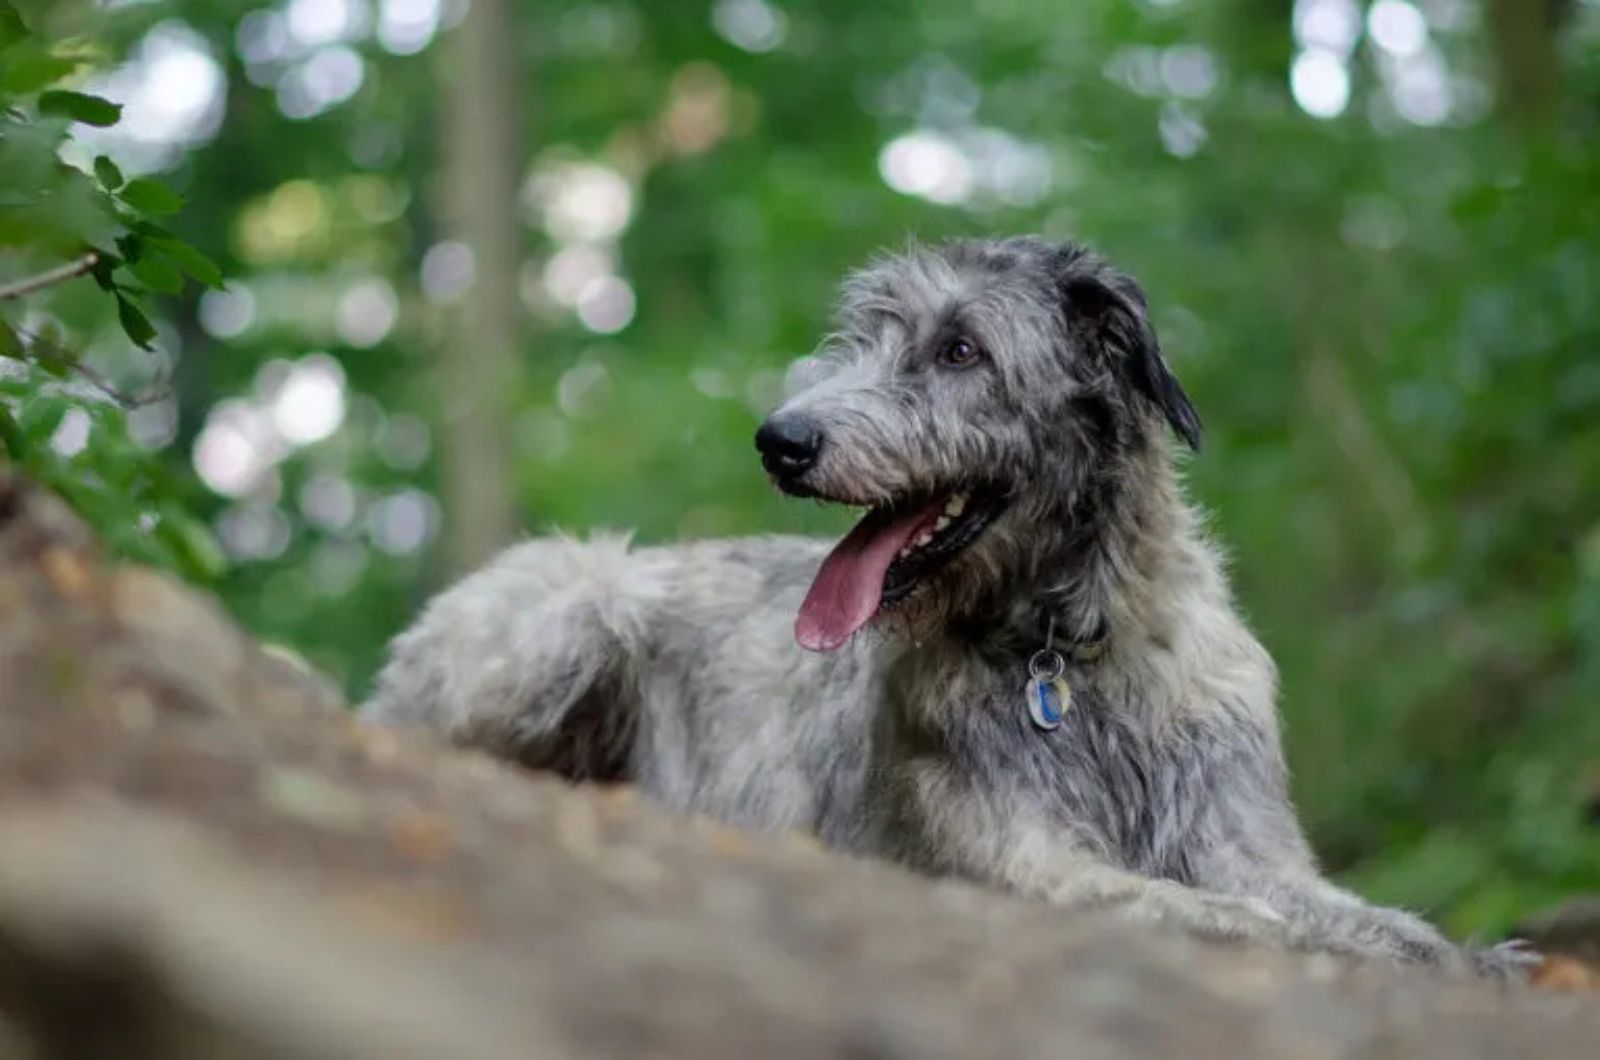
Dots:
pixel 1022 666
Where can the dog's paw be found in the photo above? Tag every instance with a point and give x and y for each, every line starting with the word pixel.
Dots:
pixel 1512 961
pixel 1397 936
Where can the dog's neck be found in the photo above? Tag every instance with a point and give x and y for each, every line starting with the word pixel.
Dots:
pixel 1138 598
pixel 1131 554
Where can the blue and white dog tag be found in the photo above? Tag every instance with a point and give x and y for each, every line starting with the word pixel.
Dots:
pixel 1049 696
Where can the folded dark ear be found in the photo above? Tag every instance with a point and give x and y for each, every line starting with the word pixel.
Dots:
pixel 1113 310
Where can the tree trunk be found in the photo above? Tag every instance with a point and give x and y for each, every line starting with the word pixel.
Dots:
pixel 479 351
pixel 1523 35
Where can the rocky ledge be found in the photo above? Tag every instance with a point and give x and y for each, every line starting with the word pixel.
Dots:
pixel 201 854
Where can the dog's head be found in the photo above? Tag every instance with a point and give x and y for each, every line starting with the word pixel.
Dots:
pixel 975 398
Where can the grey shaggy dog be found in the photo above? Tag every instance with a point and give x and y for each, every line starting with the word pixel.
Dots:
pixel 1000 408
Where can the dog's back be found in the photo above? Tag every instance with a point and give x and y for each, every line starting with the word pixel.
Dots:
pixel 671 667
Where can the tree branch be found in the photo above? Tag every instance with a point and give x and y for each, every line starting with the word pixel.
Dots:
pixel 61 274
pixel 116 396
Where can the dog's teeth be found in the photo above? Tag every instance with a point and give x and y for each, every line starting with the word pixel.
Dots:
pixel 942 522
pixel 923 538
pixel 956 505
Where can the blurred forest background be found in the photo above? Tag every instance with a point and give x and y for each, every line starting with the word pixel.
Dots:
pixel 514 264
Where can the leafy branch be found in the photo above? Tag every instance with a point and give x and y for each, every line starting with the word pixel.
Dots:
pixel 59 361
pixel 29 284
pixel 101 225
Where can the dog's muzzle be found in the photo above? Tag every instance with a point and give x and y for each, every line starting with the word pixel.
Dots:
pixel 789 445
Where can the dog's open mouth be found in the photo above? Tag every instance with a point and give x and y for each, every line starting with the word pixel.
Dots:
pixel 891 551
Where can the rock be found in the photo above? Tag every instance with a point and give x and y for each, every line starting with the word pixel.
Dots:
pixel 1571 928
pixel 201 855
pixel 1567 975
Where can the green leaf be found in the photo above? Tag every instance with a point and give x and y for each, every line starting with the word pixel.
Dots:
pixel 135 323
pixel 151 197
pixel 10 342
pixel 12 28
pixel 191 261
pixel 40 416
pixel 192 540
pixel 52 356
pixel 151 230
pixel 49 334
pixel 132 247
pixel 102 270
pixel 11 434
pixel 107 173
pixel 80 106
pixel 30 68
pixel 53 359
pixel 158 274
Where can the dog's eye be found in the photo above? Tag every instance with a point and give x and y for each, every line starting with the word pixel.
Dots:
pixel 960 353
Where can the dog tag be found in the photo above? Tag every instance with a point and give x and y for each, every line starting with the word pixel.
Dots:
pixel 1049 699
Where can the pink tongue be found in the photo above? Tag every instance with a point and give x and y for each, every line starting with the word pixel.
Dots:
pixel 849 587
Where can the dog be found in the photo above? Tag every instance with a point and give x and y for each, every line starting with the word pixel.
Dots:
pixel 1022 666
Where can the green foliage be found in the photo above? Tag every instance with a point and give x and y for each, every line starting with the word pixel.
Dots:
pixel 150 198
pixel 1388 325
pixel 107 173
pixel 91 110
pixel 61 422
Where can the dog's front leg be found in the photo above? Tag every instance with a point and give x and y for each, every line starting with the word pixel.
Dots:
pixel 1249 844
pixel 1082 883
pixel 1016 844
pixel 1324 916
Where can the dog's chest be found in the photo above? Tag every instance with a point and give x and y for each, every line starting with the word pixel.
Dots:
pixel 1102 777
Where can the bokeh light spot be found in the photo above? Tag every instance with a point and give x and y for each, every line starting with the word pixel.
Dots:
pixel 71 435
pixel 309 405
pixel 367 312
pixel 1320 83
pixel 448 271
pixel 401 523
pixel 754 25
pixel 928 165
pixel 1329 25
pixel 606 305
pixel 228 313
pixel 329 502
pixel 1397 27
pixel 254 531
pixel 580 201
pixel 405 27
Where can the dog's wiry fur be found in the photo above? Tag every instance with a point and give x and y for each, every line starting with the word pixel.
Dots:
pixel 1162 796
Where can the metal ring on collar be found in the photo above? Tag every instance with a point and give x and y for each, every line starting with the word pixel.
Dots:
pixel 1046 665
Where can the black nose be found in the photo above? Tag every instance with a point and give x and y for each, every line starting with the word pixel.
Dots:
pixel 789 445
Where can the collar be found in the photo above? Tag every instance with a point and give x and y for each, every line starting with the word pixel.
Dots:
pixel 1081 649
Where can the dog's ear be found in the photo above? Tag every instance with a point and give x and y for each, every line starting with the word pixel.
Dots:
pixel 1113 310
